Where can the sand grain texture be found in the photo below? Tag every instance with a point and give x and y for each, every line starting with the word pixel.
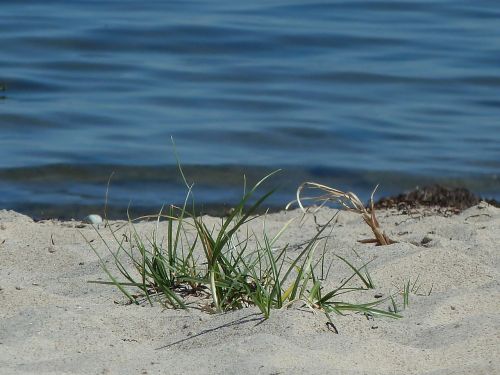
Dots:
pixel 53 322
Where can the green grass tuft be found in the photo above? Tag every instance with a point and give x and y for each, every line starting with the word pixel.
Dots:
pixel 228 266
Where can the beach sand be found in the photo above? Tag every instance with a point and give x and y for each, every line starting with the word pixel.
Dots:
pixel 52 321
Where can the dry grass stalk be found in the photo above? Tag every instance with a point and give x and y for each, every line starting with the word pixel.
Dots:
pixel 350 202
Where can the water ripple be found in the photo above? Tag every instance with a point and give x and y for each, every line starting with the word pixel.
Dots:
pixel 394 87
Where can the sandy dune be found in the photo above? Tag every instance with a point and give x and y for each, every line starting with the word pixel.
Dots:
pixel 53 322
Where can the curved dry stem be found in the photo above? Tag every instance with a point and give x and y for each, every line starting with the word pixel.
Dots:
pixel 348 201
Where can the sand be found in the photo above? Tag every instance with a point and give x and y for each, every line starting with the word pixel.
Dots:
pixel 52 321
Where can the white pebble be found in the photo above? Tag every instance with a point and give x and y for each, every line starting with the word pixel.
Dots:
pixel 93 219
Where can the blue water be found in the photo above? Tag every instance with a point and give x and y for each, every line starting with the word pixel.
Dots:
pixel 346 92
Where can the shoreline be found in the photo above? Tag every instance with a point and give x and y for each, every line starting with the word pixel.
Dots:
pixel 455 198
pixel 55 322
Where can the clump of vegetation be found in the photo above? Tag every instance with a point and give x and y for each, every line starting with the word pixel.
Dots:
pixel 349 202
pixel 228 266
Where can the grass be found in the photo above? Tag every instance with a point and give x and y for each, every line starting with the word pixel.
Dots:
pixel 227 266
pixel 350 202
pixel 409 288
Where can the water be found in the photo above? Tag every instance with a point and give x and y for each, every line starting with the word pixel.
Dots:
pixel 351 93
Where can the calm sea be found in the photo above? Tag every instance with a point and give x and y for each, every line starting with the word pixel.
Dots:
pixel 349 93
